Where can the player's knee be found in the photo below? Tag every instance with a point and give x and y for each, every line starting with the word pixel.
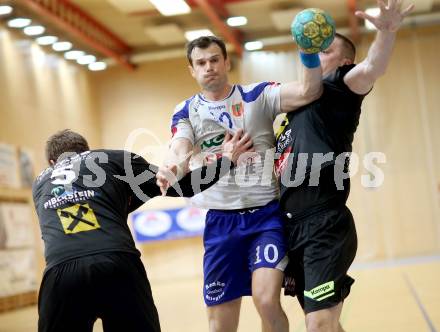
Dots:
pixel 321 324
pixel 267 304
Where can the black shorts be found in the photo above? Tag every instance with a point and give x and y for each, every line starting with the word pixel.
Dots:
pixel 111 286
pixel 321 248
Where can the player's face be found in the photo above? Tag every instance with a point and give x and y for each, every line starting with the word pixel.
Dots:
pixel 332 57
pixel 209 67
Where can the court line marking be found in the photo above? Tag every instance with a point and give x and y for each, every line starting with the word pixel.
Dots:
pixel 395 262
pixel 419 303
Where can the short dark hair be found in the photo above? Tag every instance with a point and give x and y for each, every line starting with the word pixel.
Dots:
pixel 204 42
pixel 65 141
pixel 349 50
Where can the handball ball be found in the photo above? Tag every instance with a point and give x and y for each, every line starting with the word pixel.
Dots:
pixel 313 30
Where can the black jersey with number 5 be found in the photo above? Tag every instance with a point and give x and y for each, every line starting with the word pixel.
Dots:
pixel 83 201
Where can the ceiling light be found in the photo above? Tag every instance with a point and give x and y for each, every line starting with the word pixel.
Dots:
pixel 62 46
pixel 86 59
pixel 5 10
pixel 372 12
pixel 34 30
pixel 253 45
pixel 236 21
pixel 171 7
pixel 73 55
pixel 96 66
pixel 19 22
pixel 194 34
pixel 46 40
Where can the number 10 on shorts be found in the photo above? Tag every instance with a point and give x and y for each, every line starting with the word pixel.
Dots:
pixel 270 253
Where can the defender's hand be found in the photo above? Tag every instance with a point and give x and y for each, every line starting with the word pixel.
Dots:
pixel 165 176
pixel 234 146
pixel 390 16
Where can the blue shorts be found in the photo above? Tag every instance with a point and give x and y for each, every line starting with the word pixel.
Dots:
pixel 236 244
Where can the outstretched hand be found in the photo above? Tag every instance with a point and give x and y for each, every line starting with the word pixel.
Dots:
pixel 390 17
pixel 165 176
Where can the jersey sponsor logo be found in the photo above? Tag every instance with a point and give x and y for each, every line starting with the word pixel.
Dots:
pixel 237 109
pixel 216 141
pixel 321 292
pixel 67 197
pixel 217 108
pixel 284 140
pixel 215 291
pixel 78 218
pixel 58 191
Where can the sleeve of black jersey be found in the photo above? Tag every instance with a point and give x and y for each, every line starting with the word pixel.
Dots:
pixel 191 184
pixel 200 179
pixel 338 78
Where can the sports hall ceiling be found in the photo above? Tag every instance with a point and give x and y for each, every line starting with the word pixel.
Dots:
pixel 149 34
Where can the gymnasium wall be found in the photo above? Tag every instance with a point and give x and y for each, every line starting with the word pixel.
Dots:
pixel 41 93
pixel 401 118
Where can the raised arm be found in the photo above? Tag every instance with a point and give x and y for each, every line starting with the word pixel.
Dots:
pixel 362 77
pixel 297 94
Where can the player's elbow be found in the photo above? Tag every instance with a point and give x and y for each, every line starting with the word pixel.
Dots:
pixel 311 92
pixel 373 72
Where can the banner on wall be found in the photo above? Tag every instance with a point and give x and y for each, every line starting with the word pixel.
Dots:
pixel 154 225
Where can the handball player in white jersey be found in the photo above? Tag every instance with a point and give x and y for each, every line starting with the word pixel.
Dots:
pixel 243 239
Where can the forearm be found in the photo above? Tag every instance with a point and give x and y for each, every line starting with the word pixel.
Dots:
pixel 379 53
pixel 309 88
pixel 179 154
pixel 311 83
pixel 199 180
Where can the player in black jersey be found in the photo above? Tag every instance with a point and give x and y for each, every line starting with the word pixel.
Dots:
pixel 313 146
pixel 83 201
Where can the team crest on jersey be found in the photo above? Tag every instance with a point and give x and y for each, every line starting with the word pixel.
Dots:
pixel 237 109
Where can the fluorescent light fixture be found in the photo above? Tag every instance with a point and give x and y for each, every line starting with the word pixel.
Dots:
pixel 62 46
pixel 254 45
pixel 34 30
pixel 19 22
pixel 171 7
pixel 86 59
pixel 73 55
pixel 47 40
pixel 236 21
pixel 5 10
pixel 97 66
pixel 194 34
pixel 373 12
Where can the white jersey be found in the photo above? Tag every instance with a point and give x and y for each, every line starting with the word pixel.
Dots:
pixel 252 108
